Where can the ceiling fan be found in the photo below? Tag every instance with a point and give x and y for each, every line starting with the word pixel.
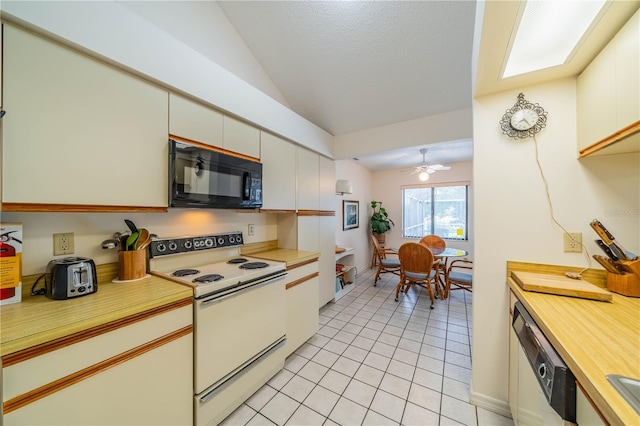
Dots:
pixel 424 169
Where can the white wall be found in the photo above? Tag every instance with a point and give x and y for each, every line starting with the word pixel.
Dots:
pixel 358 238
pixel 91 229
pixel 512 219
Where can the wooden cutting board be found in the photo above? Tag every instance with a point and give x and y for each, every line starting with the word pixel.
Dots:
pixel 560 285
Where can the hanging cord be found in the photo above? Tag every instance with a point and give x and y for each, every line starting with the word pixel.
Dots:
pixel 40 291
pixel 546 187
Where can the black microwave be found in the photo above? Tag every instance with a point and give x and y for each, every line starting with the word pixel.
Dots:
pixel 206 178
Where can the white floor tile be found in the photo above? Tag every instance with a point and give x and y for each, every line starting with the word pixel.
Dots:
pixel 383 349
pixel 334 381
pixel 455 389
pixel 307 351
pixel 321 400
pixel 458 410
pixel 363 343
pixel 355 354
pixel 425 397
pixel 346 366
pixel 280 379
pixel 305 416
pixel 295 362
pixel 388 405
pixel 313 371
pixel 260 420
pixel 401 369
pixel 415 415
pixel 240 417
pixel 406 356
pixel 326 358
pixel 335 346
pixel 377 361
pixel 347 412
pixel 374 419
pixel 410 345
pixel 428 379
pixel 360 392
pixel 280 408
pixel 318 340
pixel 261 397
pixel 487 418
pixel 369 375
pixel 298 388
pixel 395 385
pixel 455 372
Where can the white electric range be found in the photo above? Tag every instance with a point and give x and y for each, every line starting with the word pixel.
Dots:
pixel 239 317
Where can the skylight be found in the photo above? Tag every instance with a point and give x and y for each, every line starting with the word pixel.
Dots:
pixel 548 33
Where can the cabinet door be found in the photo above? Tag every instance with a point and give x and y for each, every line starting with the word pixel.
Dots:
pixel 327 184
pixel 133 392
pixel 327 248
pixel 78 131
pixel 627 44
pixel 302 312
pixel 195 121
pixel 586 414
pixel 278 173
pixel 308 179
pixel 241 137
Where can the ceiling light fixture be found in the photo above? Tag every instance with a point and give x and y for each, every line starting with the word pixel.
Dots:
pixel 423 176
pixel 548 33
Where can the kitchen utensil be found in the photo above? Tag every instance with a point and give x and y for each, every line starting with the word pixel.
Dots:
pixel 609 239
pixel 131 226
pixel 607 250
pixel 114 241
pixel 607 264
pixel 143 239
pixel 131 241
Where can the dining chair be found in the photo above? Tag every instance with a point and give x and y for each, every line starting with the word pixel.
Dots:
pixel 384 264
pixel 417 267
pixel 460 274
pixel 437 245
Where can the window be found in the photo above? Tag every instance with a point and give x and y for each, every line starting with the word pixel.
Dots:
pixel 439 210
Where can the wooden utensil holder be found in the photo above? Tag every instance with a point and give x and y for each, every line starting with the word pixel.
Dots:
pixel 627 284
pixel 132 265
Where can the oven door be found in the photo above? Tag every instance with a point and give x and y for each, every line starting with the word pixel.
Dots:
pixel 235 327
pixel 207 178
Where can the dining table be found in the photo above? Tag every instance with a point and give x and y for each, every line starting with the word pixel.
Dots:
pixel 445 254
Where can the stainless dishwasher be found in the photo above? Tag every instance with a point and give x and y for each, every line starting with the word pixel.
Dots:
pixel 546 388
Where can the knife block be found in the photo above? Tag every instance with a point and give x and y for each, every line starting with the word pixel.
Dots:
pixel 627 284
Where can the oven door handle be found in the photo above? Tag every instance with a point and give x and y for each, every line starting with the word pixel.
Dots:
pixel 237 291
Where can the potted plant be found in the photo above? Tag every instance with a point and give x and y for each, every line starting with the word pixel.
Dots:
pixel 380 221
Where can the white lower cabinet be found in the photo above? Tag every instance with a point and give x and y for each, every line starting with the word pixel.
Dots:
pixel 586 414
pixel 141 373
pixel 302 305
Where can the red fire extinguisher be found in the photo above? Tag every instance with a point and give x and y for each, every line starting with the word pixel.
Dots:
pixel 7 250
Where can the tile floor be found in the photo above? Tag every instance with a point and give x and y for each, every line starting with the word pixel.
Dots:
pixel 375 361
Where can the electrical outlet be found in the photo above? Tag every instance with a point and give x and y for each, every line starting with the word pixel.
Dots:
pixel 251 229
pixel 572 242
pixel 63 243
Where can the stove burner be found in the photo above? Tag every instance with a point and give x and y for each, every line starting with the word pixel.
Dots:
pixel 254 265
pixel 237 260
pixel 208 278
pixel 185 272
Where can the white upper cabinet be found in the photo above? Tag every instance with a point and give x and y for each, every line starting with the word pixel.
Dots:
pixel 608 96
pixel 327 184
pixel 192 120
pixel 78 131
pixel 278 173
pixel 241 137
pixel 308 179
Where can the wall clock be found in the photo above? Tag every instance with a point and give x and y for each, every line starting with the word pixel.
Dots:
pixel 523 120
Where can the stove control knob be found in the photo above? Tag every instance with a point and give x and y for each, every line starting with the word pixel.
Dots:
pixel 188 244
pixel 208 242
pixel 161 247
pixel 220 241
pixel 542 370
pixel 173 246
pixel 232 239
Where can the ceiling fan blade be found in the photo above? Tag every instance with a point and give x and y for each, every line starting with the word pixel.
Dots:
pixel 440 167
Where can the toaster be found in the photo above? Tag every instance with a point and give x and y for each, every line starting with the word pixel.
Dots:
pixel 70 277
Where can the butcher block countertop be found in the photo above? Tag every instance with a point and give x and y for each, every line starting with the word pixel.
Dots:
pixel 38 319
pixel 594 338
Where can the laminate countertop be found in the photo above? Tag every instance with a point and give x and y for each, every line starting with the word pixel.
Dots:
pixel 291 257
pixel 38 319
pixel 593 338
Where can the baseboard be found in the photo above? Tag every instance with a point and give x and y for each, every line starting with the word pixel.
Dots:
pixel 490 404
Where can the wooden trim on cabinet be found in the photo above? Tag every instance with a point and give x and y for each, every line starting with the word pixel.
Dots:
pixel 316 213
pixel 306 262
pixel 53 345
pixel 79 208
pixel 213 148
pixel 301 280
pixel 55 386
pixel 611 139
pixel 277 211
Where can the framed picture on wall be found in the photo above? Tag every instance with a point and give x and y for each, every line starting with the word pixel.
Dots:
pixel 350 214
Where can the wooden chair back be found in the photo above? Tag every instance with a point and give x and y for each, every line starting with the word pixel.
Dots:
pixel 434 242
pixel 377 249
pixel 415 258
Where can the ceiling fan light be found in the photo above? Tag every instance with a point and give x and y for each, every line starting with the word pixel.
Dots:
pixel 423 176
